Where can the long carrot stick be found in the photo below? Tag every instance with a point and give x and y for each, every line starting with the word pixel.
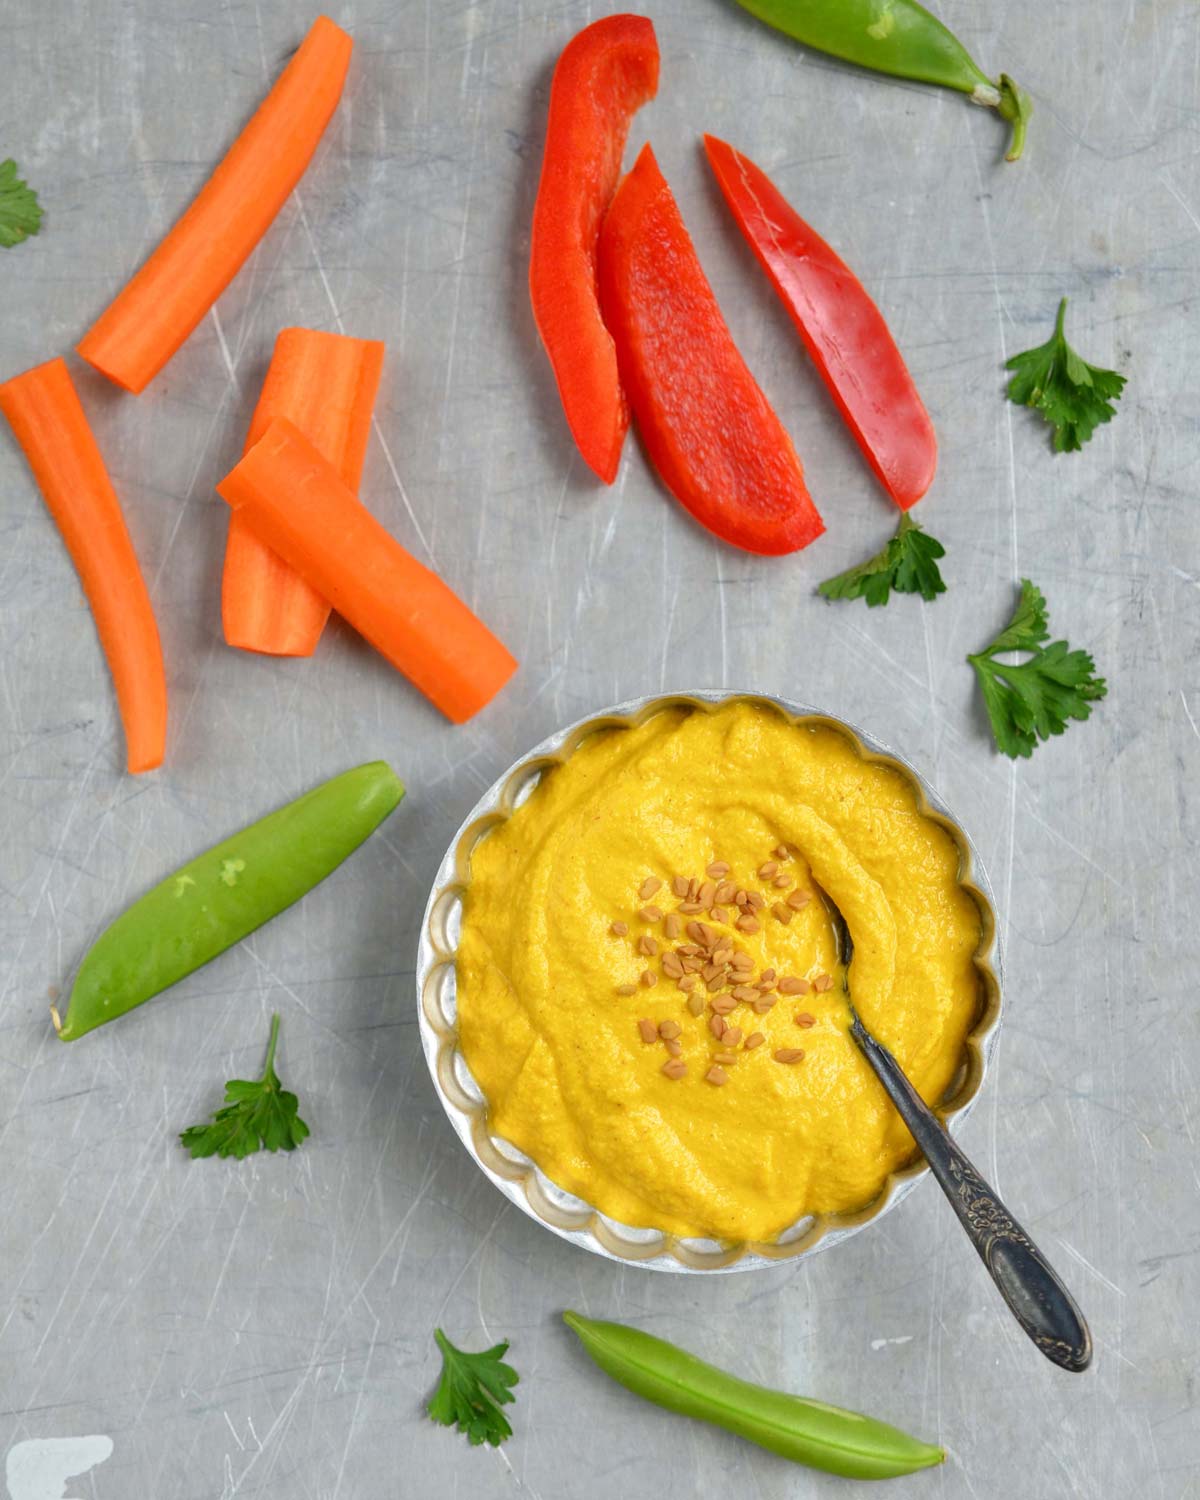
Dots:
pixel 325 384
pixel 299 506
pixel 148 320
pixel 44 412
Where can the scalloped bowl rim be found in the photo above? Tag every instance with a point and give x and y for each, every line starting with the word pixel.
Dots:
pixel 519 1178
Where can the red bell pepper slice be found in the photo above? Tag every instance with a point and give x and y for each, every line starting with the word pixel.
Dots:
pixel 605 74
pixel 842 329
pixel 709 430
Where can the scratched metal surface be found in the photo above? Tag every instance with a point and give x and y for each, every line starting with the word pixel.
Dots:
pixel 263 1329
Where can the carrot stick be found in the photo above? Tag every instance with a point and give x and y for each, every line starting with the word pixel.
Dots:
pixel 300 507
pixel 43 410
pixel 148 320
pixel 325 384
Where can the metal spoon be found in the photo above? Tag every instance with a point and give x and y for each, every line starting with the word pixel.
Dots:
pixel 1035 1295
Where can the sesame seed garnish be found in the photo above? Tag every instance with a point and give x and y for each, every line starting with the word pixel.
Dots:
pixel 672 966
pixel 725 1058
pixel 686 982
pixel 619 929
pixel 627 989
pixel 649 978
pixel 798 900
pixel 674 1068
pixel 781 851
pixel 803 1018
pixel 680 886
pixel 823 982
pixel 695 1004
pixel 693 889
pixel 742 960
pixel 745 993
pixel 765 985
pixel 740 898
pixel 717 982
pixel 781 882
pixel 716 1024
pixel 717 869
pixel 782 913
pixel 693 965
pixel 648 1030
pixel 648 888
pixel 672 926
pixel 719 914
pixel 669 1030
pixel 695 930
pixel 722 1004
pixel 763 1004
pixel 690 908
pixel 726 891
pixel 673 1047
pixel 647 946
pixel 731 1036
pixel 650 914
pixel 790 985
pixel 755 1039
pixel 755 900
pixel 707 894
pixel 766 979
pixel 789 1055
pixel 749 924
pixel 765 872
pixel 715 1076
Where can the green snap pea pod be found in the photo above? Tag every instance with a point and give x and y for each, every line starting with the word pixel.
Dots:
pixel 219 898
pixel 807 1432
pixel 898 37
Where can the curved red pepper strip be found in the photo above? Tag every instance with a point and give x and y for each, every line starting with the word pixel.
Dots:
pixel 709 430
pixel 842 328
pixel 602 78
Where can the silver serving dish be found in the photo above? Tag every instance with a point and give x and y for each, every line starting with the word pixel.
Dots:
pixel 519 1178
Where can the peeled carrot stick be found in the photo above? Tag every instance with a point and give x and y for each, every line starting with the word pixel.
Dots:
pixel 142 327
pixel 43 410
pixel 325 384
pixel 300 507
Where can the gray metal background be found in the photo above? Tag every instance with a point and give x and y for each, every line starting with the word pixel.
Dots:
pixel 264 1329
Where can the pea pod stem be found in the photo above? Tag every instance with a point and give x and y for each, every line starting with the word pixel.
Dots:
pixel 900 38
pixel 804 1431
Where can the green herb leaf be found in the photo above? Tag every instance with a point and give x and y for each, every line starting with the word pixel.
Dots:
pixel 472 1390
pixel 907 564
pixel 1030 700
pixel 258 1115
pixel 1073 396
pixel 20 211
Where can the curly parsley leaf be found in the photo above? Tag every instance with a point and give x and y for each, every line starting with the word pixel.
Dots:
pixel 20 211
pixel 472 1390
pixel 1031 700
pixel 258 1115
pixel 1073 396
pixel 907 564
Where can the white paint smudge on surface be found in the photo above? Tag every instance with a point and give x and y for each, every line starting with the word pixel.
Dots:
pixel 40 1468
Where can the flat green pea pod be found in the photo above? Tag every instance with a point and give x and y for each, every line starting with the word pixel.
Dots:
pixel 807 1432
pixel 221 897
pixel 898 37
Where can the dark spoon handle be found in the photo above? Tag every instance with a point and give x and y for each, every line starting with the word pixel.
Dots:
pixel 1039 1301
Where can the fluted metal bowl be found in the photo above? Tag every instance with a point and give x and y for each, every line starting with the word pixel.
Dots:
pixel 515 1174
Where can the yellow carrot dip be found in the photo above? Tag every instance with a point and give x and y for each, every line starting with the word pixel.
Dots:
pixel 677 1059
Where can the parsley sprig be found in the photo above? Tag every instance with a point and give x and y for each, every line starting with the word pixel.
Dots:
pixel 258 1115
pixel 1073 396
pixel 20 211
pixel 907 564
pixel 1030 700
pixel 472 1390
